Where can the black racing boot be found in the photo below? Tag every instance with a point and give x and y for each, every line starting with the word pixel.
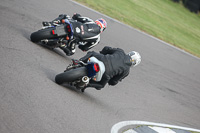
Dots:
pixel 60 17
pixel 55 21
pixel 67 51
pixel 51 23
pixel 72 48
pixel 47 23
pixel 83 90
pixel 67 47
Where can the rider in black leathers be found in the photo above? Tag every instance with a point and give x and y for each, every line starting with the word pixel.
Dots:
pixel 117 65
pixel 86 32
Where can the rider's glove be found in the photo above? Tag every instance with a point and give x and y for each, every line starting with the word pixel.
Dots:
pixel 76 16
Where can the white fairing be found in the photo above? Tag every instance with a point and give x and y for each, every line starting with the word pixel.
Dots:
pixel 99 74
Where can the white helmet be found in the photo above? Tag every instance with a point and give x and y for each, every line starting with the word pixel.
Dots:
pixel 135 58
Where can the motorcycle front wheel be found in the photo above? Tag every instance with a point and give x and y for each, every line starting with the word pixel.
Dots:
pixel 71 75
pixel 43 34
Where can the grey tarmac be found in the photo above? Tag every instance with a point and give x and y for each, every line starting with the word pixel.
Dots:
pixel 164 88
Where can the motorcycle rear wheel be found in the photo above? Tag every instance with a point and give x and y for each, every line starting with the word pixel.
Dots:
pixel 71 75
pixel 43 34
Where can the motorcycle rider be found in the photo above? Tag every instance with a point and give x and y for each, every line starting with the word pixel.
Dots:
pixel 117 64
pixel 84 32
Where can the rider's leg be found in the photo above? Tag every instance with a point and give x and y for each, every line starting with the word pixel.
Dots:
pixel 69 47
pixel 67 50
pixel 57 20
pixel 64 45
pixel 72 48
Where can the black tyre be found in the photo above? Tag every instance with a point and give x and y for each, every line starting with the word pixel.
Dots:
pixel 71 75
pixel 42 34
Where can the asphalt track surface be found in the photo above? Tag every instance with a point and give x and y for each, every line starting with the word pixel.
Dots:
pixel 164 88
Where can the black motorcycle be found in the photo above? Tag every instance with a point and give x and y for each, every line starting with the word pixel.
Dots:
pixel 79 74
pixel 54 33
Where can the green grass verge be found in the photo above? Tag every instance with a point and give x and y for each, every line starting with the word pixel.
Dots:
pixel 164 19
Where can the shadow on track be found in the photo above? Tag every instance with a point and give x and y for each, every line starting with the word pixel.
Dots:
pixel 87 96
pixel 50 74
pixel 55 50
pixel 26 34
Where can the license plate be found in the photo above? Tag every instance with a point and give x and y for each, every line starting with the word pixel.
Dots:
pixel 60 30
pixel 90 69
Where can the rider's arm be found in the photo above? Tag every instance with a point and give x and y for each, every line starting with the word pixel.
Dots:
pixel 88 55
pixel 118 78
pixel 90 44
pixel 109 50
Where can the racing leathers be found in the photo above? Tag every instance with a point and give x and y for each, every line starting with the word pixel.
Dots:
pixel 117 66
pixel 86 33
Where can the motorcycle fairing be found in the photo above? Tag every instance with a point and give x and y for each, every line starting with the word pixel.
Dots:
pixel 99 74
